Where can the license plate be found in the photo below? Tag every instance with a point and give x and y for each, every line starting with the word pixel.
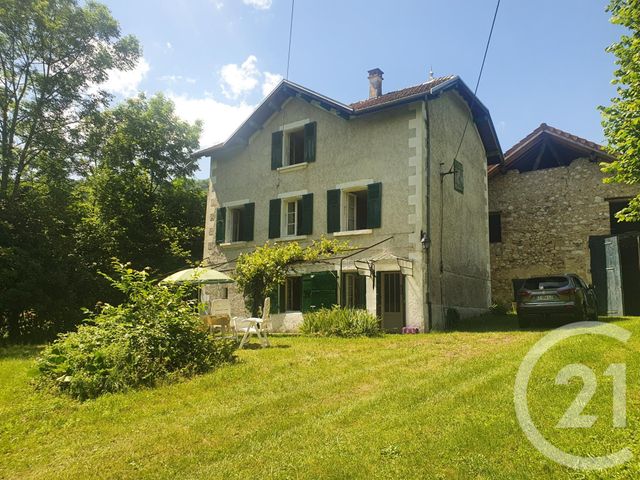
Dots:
pixel 546 297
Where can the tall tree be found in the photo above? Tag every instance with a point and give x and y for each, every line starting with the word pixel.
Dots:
pixel 139 203
pixel 52 52
pixel 621 120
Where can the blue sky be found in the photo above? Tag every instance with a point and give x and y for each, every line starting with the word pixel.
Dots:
pixel 218 58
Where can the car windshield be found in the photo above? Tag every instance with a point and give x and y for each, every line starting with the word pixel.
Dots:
pixel 544 283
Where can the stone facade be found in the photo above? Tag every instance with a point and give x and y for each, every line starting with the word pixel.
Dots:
pixel 404 148
pixel 547 217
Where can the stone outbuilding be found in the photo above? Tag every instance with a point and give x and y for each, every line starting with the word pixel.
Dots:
pixel 550 213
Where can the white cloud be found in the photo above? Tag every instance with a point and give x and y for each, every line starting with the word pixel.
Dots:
pixel 271 80
pixel 259 4
pixel 237 80
pixel 218 4
pixel 219 119
pixel 177 79
pixel 169 46
pixel 125 83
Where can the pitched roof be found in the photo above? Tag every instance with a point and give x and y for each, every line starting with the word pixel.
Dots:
pixel 431 89
pixel 415 90
pixel 516 152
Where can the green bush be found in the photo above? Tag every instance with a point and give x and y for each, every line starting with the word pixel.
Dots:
pixel 154 335
pixel 341 322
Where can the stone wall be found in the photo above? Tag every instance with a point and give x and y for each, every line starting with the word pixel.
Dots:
pixel 547 217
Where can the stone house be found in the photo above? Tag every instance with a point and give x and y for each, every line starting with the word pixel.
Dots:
pixel 378 173
pixel 549 210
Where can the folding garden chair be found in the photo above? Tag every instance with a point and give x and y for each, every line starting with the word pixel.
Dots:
pixel 257 326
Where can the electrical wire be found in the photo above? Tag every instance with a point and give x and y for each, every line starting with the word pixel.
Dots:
pixel 455 158
pixel 475 90
pixel 293 3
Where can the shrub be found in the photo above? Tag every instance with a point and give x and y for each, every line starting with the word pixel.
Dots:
pixel 154 335
pixel 341 322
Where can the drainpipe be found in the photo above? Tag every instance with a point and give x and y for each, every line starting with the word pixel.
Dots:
pixel 427 235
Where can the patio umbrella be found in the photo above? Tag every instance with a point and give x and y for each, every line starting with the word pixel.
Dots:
pixel 200 275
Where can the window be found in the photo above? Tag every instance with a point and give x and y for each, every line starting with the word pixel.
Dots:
pixel 354 290
pixel 354 208
pixel 236 224
pixel 355 215
pixel 295 147
pixel 495 227
pixel 291 218
pixel 618 227
pixel 293 294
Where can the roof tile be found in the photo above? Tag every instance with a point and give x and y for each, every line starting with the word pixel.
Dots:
pixel 399 94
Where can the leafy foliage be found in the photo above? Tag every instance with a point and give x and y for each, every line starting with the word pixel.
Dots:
pixel 52 52
pixel 154 335
pixel 135 202
pixel 341 322
pixel 260 272
pixel 621 120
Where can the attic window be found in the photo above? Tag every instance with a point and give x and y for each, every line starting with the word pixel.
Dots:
pixel 295 147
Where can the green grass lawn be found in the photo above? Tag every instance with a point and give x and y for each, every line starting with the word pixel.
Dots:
pixel 412 406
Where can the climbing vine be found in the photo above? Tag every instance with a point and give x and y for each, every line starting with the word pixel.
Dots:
pixel 259 273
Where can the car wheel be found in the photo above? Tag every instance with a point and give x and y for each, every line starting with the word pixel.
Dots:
pixel 583 315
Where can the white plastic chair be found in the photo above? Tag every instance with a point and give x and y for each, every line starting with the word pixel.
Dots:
pixel 253 325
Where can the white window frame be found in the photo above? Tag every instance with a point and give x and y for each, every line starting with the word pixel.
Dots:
pixel 287 130
pixel 229 227
pixel 286 223
pixel 286 199
pixel 346 195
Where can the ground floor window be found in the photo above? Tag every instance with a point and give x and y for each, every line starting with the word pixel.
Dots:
pixel 293 294
pixel 354 290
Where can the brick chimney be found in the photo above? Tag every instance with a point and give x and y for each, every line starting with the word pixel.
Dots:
pixel 375 82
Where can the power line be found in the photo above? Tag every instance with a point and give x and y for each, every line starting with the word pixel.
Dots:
pixel 475 91
pixel 455 158
pixel 293 2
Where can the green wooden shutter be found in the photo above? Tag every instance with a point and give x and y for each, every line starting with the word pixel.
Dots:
pixel 333 211
pixel 248 221
pixel 319 290
pixel 221 216
pixel 310 142
pixel 276 150
pixel 374 205
pixel 274 218
pixel 305 219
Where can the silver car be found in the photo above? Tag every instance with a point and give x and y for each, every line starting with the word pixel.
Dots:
pixel 562 296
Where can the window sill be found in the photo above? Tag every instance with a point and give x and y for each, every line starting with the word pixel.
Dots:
pixel 346 233
pixel 232 244
pixel 291 239
pixel 293 168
